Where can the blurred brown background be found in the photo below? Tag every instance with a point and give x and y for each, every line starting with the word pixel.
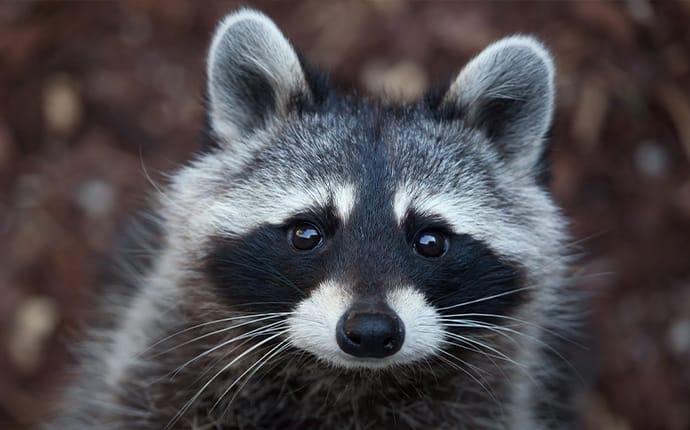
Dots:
pixel 91 92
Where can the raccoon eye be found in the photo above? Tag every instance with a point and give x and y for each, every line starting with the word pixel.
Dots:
pixel 430 243
pixel 305 236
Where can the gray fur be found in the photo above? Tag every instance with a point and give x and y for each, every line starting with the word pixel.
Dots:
pixel 249 58
pixel 509 88
pixel 375 163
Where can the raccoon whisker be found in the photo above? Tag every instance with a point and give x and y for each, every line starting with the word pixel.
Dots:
pixel 171 375
pixel 296 360
pixel 524 368
pixel 476 379
pixel 470 323
pixel 483 299
pixel 476 282
pixel 548 347
pixel 224 356
pixel 218 361
pixel 156 187
pixel 489 356
pixel 465 323
pixel 474 341
pixel 500 331
pixel 268 329
pixel 468 345
pixel 309 320
pixel 581 276
pixel 465 344
pixel 530 323
pixel 282 346
pixel 427 364
pixel 207 323
pixel 450 317
pixel 241 305
pixel 191 401
pixel 215 332
pixel 290 353
pixel 497 329
pixel 281 275
pixel 576 243
pixel 497 354
pixel 438 350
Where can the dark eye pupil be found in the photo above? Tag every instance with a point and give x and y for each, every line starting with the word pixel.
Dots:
pixel 305 236
pixel 430 244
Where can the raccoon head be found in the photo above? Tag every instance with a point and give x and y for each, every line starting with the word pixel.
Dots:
pixel 370 235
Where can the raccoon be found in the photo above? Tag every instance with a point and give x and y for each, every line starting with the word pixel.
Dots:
pixel 330 261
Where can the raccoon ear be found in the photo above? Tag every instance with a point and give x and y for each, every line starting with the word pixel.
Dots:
pixel 507 91
pixel 253 74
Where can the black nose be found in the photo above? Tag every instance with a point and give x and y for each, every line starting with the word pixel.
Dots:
pixel 370 333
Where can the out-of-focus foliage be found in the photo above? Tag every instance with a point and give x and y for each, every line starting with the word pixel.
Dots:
pixel 93 95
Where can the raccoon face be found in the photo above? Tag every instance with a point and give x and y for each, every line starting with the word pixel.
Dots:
pixel 376 235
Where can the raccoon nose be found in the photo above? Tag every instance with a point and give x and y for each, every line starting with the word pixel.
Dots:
pixel 372 333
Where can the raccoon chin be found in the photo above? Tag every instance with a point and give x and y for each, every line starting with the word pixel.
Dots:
pixel 353 333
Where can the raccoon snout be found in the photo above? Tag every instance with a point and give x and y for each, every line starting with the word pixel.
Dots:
pixel 371 332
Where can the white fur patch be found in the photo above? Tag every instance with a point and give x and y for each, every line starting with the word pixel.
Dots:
pixel 238 214
pixel 423 330
pixel 313 326
pixel 401 203
pixel 344 200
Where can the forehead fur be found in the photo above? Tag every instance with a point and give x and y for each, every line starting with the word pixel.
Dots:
pixel 386 161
